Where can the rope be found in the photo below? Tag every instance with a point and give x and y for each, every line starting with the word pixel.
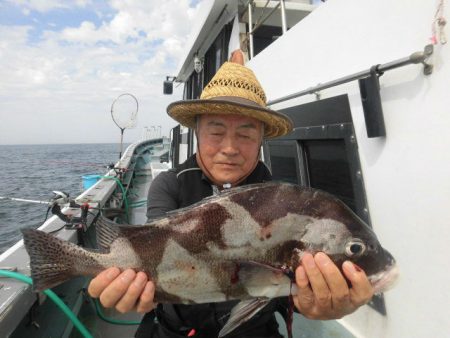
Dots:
pixel 438 26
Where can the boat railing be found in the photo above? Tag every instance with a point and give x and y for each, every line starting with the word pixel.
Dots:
pixel 274 5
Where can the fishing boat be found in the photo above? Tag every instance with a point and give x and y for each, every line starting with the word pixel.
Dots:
pixel 366 85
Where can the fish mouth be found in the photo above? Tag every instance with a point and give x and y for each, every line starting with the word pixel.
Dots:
pixel 386 279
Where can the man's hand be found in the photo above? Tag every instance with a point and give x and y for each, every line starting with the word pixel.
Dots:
pixel 323 292
pixel 126 291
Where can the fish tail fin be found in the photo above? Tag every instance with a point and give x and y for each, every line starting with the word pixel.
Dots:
pixel 52 260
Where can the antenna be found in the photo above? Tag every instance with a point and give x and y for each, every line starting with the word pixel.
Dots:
pixel 124 114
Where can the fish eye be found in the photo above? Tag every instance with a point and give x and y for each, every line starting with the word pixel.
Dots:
pixel 354 248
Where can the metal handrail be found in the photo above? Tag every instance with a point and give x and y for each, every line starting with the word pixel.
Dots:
pixel 260 23
pixel 253 29
pixel 414 58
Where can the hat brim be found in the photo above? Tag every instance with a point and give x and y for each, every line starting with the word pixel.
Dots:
pixel 184 112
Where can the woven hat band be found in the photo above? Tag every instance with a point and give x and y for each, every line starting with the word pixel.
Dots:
pixel 236 99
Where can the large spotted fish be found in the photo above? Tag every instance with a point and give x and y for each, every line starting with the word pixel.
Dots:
pixel 242 244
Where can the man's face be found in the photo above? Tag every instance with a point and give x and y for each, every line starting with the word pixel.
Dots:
pixel 229 145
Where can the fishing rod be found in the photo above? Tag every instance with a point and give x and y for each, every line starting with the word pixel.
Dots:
pixel 23 200
pixel 54 205
pixel 60 197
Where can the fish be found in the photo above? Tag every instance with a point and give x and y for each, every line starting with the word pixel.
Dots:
pixel 242 244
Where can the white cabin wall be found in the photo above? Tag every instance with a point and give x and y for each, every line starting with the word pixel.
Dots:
pixel 407 173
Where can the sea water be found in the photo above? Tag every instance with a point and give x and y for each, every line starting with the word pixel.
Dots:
pixel 34 171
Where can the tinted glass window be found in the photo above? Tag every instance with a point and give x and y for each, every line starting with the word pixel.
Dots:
pixel 284 162
pixel 328 168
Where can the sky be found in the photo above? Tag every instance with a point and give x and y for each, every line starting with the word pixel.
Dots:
pixel 62 64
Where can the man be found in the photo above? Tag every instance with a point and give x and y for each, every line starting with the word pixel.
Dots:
pixel 230 121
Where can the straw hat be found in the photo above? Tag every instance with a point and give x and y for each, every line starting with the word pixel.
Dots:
pixel 233 90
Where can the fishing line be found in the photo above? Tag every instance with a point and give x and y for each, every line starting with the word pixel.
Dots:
pixel 56 230
pixel 73 162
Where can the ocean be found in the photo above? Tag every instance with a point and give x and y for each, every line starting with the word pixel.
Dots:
pixel 34 171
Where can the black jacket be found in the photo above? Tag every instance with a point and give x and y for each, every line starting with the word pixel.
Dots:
pixel 179 188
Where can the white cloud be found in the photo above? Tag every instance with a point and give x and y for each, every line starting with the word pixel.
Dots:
pixel 48 5
pixel 68 79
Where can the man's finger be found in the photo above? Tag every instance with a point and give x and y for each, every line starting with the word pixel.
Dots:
pixel 336 282
pixel 103 279
pixel 130 298
pixel 146 300
pixel 361 291
pixel 117 289
pixel 319 286
pixel 305 297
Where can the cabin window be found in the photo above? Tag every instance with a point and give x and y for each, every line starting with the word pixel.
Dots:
pixel 284 161
pixel 322 153
pixel 217 53
pixel 174 152
pixel 218 58
pixel 264 37
pixel 328 168
pixel 266 24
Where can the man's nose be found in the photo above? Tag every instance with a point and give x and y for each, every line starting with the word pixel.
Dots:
pixel 230 146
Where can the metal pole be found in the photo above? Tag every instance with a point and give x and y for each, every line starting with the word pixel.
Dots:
pixel 283 16
pixel 250 28
pixel 418 57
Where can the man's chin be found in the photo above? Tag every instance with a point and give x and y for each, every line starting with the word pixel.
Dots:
pixel 226 178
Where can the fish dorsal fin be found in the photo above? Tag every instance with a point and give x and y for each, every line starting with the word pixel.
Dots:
pixel 248 187
pixel 223 193
pixel 133 231
pixel 107 231
pixel 242 312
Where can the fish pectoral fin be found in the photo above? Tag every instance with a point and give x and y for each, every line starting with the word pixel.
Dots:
pixel 262 280
pixel 242 312
pixel 255 264
pixel 249 269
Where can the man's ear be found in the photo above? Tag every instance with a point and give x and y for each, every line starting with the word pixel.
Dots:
pixel 197 123
pixel 196 136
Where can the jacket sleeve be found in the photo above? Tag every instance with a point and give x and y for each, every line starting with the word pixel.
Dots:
pixel 162 195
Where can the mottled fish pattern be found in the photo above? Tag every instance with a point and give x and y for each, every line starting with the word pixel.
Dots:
pixel 242 244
